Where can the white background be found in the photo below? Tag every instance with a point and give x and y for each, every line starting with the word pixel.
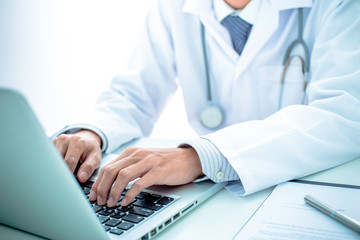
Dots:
pixel 61 54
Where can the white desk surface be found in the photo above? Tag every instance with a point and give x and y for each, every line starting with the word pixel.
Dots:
pixel 221 216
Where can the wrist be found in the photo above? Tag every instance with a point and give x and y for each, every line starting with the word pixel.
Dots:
pixel 90 134
pixel 193 155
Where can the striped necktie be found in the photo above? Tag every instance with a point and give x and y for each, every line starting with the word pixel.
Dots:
pixel 239 31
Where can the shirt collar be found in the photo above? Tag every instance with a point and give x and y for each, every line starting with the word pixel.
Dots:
pixel 203 8
pixel 290 4
pixel 248 13
pixel 206 8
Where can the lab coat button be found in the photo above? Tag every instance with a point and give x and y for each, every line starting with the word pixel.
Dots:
pixel 219 175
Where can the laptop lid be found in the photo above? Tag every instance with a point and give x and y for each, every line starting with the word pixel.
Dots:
pixel 40 194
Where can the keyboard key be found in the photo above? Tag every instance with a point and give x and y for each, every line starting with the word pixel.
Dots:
pixel 116 231
pixel 165 200
pixel 117 215
pixel 86 190
pixel 106 211
pixel 118 219
pixel 133 218
pixel 140 196
pixel 103 219
pixel 142 211
pixel 125 209
pixel 147 204
pixel 88 184
pixel 97 207
pixel 112 222
pixel 152 197
pixel 125 225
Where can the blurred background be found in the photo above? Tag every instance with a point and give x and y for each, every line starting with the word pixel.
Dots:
pixel 61 54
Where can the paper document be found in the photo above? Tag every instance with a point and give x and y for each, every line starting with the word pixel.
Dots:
pixel 285 215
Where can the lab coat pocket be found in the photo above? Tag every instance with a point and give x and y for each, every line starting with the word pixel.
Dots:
pixel 272 95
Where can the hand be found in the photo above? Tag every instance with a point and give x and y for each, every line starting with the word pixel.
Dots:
pixel 82 147
pixel 173 166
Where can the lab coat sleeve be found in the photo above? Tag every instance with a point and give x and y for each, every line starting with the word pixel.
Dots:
pixel 300 140
pixel 138 95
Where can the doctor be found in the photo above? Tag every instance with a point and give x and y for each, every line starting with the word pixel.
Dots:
pixel 259 125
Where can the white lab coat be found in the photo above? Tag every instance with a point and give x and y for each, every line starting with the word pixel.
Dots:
pixel 265 146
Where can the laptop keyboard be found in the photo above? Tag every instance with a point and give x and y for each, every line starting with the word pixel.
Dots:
pixel 118 219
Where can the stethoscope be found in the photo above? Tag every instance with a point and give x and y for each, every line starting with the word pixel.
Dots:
pixel 212 115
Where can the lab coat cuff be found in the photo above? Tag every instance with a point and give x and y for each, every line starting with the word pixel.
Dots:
pixel 214 164
pixel 71 129
pixel 236 188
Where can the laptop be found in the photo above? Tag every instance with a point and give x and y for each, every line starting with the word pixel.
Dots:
pixel 40 195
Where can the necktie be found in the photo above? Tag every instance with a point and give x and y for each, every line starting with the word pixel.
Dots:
pixel 239 31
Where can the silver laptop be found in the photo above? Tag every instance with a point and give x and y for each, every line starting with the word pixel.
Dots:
pixel 40 195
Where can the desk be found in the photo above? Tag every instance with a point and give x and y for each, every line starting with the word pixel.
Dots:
pixel 221 216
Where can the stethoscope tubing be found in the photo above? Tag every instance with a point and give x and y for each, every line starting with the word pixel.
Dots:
pixel 300 41
pixel 288 58
pixel 206 65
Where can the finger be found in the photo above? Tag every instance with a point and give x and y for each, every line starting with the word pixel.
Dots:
pixel 94 189
pixel 138 186
pixel 90 164
pixel 61 144
pixel 107 176
pixel 123 178
pixel 107 179
pixel 125 154
pixel 73 155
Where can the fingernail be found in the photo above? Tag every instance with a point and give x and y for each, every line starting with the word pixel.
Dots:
pixel 123 202
pixel 92 196
pixel 100 201
pixel 110 202
pixel 83 176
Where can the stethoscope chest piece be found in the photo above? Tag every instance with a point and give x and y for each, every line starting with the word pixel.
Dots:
pixel 211 116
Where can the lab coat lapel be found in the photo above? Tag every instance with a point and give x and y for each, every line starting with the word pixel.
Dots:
pixel 213 27
pixel 266 24
pixel 204 9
